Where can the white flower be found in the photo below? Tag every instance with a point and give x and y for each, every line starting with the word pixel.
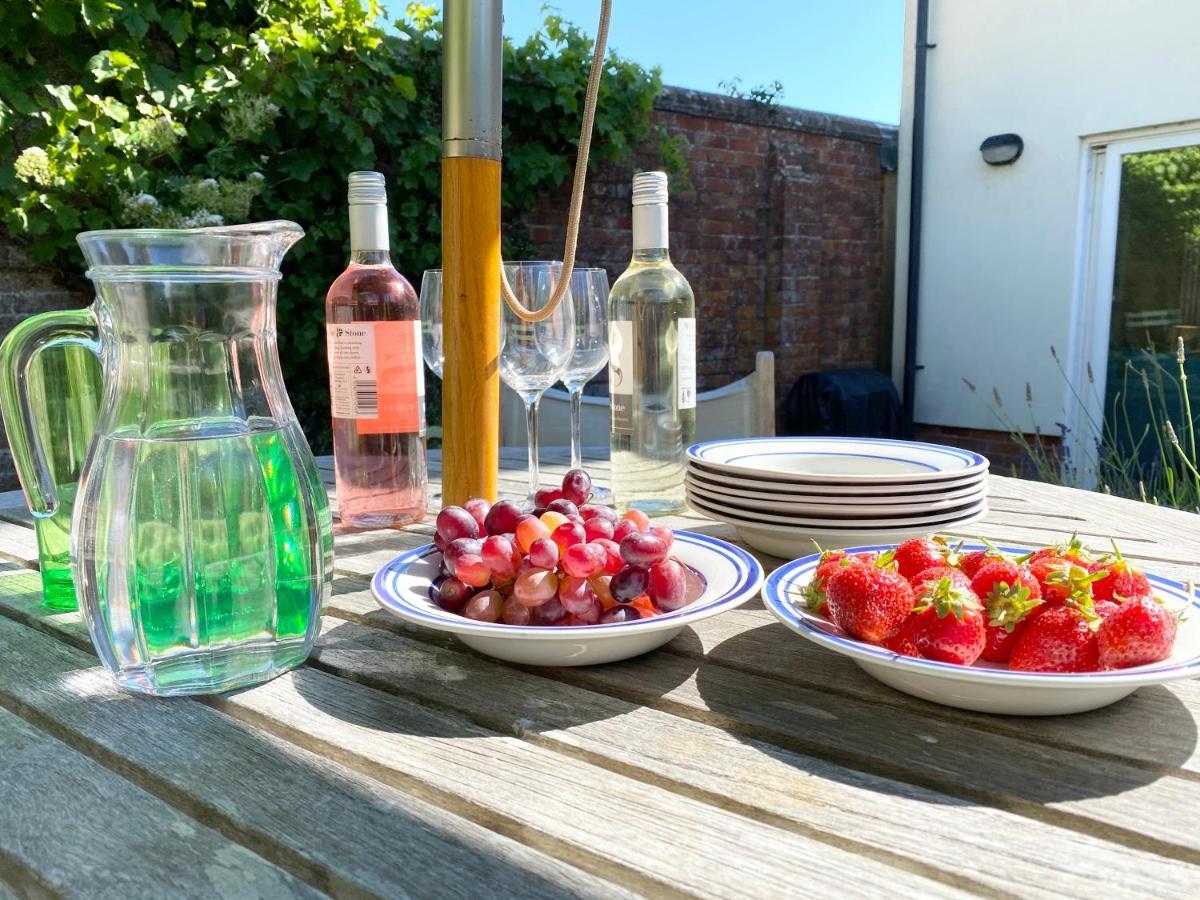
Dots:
pixel 256 176
pixel 202 218
pixel 33 165
pixel 144 201
pixel 210 183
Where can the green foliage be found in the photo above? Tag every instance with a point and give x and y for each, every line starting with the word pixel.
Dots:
pixel 176 113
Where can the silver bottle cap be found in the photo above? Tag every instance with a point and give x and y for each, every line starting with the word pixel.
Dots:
pixel 650 189
pixel 366 188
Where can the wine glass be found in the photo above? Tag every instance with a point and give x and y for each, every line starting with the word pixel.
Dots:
pixel 431 320
pixel 589 295
pixel 534 355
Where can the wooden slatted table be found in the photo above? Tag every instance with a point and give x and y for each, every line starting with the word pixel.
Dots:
pixel 737 761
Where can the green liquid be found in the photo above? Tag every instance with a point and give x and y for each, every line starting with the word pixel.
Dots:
pixel 212 550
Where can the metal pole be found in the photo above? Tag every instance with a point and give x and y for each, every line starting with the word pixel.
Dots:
pixel 471 111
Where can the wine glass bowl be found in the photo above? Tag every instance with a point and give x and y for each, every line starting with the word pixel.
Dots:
pixel 535 355
pixel 431 320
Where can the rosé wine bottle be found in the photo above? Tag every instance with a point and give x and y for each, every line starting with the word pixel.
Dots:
pixel 376 374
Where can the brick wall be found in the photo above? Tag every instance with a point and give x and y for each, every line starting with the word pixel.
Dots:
pixel 1006 455
pixel 784 234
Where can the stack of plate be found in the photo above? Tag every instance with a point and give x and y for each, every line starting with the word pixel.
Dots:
pixel 782 494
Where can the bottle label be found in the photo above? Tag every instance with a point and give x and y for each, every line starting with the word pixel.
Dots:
pixel 686 364
pixel 620 375
pixel 376 375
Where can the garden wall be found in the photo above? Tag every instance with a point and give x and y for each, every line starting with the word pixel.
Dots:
pixel 785 233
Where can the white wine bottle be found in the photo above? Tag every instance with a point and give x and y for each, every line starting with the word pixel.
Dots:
pixel 652 363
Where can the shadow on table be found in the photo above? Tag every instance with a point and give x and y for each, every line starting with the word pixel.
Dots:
pixel 823 705
pixel 427 683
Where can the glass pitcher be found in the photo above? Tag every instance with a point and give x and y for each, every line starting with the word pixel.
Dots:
pixel 201 543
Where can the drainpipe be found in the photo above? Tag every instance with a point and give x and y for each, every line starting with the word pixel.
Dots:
pixel 913 292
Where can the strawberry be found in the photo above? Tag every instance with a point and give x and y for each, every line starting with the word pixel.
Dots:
pixel 917 555
pixel 1105 608
pixel 1011 596
pixel 869 602
pixel 1003 575
pixel 829 564
pixel 904 641
pixel 1065 582
pixel 972 562
pixel 948 624
pixel 1123 582
pixel 1072 551
pixel 934 574
pixel 1141 631
pixel 1059 639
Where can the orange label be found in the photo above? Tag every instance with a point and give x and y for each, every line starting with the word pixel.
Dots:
pixel 376 376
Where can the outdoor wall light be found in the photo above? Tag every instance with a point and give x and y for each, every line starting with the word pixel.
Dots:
pixel 1002 149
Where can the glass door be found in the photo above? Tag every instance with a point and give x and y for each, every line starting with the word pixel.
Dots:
pixel 1155 298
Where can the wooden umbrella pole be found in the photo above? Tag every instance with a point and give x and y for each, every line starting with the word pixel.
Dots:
pixel 471 93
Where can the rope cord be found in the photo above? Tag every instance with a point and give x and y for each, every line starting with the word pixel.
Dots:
pixel 576 208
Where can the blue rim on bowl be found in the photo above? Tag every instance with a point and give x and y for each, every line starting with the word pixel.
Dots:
pixel 791 577
pixel 414 606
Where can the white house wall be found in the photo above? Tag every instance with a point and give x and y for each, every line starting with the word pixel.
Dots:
pixel 999 244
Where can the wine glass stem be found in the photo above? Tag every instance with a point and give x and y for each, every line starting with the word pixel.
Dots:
pixel 576 439
pixel 531 426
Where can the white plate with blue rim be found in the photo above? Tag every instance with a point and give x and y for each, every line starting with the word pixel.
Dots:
pixel 987 687
pixel 831 460
pixel 404 587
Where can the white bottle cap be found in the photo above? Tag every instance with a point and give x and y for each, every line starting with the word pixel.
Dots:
pixel 650 188
pixel 367 195
pixel 366 187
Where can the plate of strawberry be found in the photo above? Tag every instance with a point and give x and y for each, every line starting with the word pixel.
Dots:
pixel 1014 630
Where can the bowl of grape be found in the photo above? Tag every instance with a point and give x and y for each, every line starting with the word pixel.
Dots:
pixel 560 581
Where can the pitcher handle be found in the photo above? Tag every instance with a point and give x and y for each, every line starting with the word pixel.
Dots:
pixel 20 348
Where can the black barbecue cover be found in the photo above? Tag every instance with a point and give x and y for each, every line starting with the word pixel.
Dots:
pixel 844 403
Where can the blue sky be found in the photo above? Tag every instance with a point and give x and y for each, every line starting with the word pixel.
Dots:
pixel 838 56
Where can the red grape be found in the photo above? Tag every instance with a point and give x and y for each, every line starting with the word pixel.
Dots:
pixel 452 594
pixel 667 535
pixel 515 612
pixel 624 529
pixel 535 587
pixel 638 517
pixel 455 549
pixel 502 517
pixel 667 585
pixel 591 615
pixel 478 508
pixel 439 542
pixel 484 607
pixel 529 530
pixel 549 613
pixel 499 552
pixel 597 527
pixel 543 553
pixel 584 560
pixel 643 549
pixel 454 522
pixel 621 613
pixel 564 506
pixel 546 496
pixel 612 555
pixel 567 535
pixel 575 594
pixel 471 569
pixel 629 584
pixel 591 511
pixel 577 486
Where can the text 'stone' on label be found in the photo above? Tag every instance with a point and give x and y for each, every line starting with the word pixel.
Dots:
pixel 376 375
pixel 686 362
pixel 620 375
